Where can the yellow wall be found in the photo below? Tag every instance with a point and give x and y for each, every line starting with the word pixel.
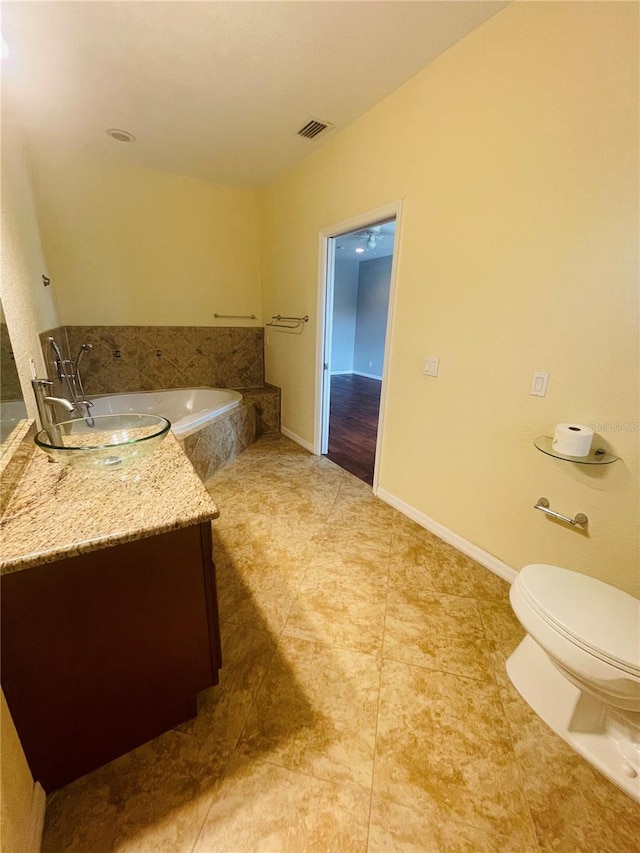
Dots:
pixel 516 154
pixel 16 788
pixel 129 245
pixel 29 307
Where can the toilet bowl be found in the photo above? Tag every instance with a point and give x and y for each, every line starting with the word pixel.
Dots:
pixel 579 666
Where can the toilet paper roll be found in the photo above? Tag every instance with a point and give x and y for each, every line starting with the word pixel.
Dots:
pixel 572 439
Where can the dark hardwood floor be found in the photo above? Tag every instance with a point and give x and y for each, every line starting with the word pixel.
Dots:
pixel 353 424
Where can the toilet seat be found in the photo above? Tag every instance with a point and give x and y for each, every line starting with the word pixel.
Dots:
pixel 601 620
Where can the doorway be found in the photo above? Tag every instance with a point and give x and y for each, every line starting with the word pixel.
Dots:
pixel 358 277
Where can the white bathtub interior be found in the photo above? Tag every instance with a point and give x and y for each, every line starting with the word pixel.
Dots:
pixel 12 412
pixel 188 409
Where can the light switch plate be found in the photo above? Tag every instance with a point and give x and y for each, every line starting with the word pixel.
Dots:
pixel 539 384
pixel 431 365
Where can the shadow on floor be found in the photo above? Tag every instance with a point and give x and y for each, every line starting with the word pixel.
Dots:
pixel 171 778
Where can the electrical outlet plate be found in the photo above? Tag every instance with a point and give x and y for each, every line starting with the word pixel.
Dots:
pixel 431 365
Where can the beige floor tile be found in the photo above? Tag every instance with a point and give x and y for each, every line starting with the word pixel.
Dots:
pixel 286 511
pixel 282 549
pixel 163 790
pixel 360 561
pixel 80 817
pixel 419 558
pixel 502 630
pixel 154 828
pixel 222 710
pixel 401 829
pixel 486 584
pixel 280 490
pixel 316 712
pixel 443 749
pixel 273 463
pixel 357 489
pixel 356 509
pixel 362 537
pixel 258 580
pixel 442 632
pixel 154 798
pixel 339 611
pixel 263 808
pixel 263 602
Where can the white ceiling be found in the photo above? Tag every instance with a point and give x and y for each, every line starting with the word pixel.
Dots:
pixel 217 89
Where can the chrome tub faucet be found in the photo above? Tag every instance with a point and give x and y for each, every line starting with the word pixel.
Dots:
pixel 46 411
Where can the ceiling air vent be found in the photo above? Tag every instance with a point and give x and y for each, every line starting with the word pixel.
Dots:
pixel 314 127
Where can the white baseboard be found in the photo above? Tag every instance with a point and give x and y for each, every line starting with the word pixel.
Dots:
pixel 341 372
pixel 301 441
pixel 36 819
pixel 474 551
pixel 367 375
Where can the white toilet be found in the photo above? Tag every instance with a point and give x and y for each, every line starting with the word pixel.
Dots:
pixel 579 666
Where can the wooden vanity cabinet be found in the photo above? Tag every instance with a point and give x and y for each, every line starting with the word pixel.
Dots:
pixel 104 651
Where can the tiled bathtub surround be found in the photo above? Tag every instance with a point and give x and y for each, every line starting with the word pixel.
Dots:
pixel 15 457
pixel 363 702
pixel 222 440
pixel 143 358
pixel 9 382
pixel 267 405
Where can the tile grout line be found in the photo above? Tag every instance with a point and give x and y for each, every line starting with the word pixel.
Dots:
pixel 511 742
pixel 306 570
pixel 276 646
pixel 237 740
pixel 375 739
pixel 490 680
pixel 520 774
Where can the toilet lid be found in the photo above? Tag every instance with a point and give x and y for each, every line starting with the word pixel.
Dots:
pixel 603 620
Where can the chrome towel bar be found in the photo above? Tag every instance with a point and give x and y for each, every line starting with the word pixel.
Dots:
pixel 280 322
pixel 543 506
pixel 235 316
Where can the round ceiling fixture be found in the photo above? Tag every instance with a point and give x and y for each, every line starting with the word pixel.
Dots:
pixel 120 135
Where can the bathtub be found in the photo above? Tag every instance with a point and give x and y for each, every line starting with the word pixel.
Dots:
pixel 188 409
pixel 11 413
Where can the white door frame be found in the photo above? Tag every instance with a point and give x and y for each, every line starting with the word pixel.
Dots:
pixel 325 312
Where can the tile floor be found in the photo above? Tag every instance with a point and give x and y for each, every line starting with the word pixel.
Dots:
pixel 363 703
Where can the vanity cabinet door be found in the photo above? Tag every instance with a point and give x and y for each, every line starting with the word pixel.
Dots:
pixel 103 651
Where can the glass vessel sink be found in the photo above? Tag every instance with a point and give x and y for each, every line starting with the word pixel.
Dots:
pixel 105 441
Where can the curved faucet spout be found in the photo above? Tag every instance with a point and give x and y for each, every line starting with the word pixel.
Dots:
pixel 61 401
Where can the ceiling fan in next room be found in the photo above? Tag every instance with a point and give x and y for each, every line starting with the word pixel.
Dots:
pixel 372 235
pixel 376 239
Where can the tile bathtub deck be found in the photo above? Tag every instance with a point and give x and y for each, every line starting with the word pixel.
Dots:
pixel 363 703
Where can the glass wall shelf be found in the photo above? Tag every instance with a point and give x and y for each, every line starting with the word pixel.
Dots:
pixel 595 457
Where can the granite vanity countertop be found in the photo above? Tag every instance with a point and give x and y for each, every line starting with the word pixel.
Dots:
pixel 58 511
